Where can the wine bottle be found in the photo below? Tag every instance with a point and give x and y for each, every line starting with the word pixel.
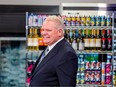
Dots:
pixel 98 40
pixel 81 44
pixel 35 40
pixel 109 40
pixel 74 44
pixel 30 39
pixel 103 40
pixel 87 41
pixel 92 41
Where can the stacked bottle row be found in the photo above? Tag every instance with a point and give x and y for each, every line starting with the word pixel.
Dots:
pixel 36 20
pixel 114 70
pixel 76 20
pixel 114 59
pixel 30 64
pixel 89 39
pixel 31 59
pixel 34 40
pixel 94 69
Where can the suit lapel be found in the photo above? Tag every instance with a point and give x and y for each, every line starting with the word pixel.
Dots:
pixel 36 63
pixel 48 57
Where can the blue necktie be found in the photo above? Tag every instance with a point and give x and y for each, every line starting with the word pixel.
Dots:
pixel 43 56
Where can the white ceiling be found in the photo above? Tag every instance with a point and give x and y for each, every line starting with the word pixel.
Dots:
pixel 51 2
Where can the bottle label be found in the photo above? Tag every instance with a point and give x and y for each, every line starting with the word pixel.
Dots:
pixel 81 46
pixel 86 42
pixel 98 42
pixel 35 42
pixel 30 41
pixel 74 45
pixel 92 43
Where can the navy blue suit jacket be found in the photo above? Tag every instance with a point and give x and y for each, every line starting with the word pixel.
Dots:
pixel 57 69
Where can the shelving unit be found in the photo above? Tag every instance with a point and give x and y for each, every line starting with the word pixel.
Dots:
pixel 78 9
pixel 34 20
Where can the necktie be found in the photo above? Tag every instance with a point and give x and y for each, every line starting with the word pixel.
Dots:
pixel 43 55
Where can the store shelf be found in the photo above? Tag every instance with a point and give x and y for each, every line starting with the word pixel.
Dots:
pixel 13 38
pixel 38 27
pixel 93 85
pixel 89 27
pixel 93 52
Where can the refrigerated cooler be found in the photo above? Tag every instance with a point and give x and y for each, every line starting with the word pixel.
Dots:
pixel 12 62
pixel 90 28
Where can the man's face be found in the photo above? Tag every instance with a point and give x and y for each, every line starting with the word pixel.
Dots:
pixel 49 33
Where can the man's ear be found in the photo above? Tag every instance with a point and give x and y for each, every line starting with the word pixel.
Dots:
pixel 60 32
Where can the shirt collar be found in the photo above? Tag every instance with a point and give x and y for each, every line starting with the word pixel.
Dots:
pixel 51 46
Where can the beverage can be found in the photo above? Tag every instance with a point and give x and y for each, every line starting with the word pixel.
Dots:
pixel 82 66
pixel 82 78
pixel 78 21
pixel 87 77
pixel 98 77
pixel 98 66
pixel 78 78
pixel 93 79
pixel 88 66
pixel 83 20
pixel 108 21
pixel 88 20
pixel 98 20
pixel 93 65
pixel 73 19
pixel 103 20
pixel 93 21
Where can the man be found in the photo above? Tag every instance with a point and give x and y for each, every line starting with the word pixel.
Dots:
pixel 58 68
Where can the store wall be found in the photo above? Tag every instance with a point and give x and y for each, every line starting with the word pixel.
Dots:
pixel 52 2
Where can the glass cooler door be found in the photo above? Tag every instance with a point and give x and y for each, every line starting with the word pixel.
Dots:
pixel 12 62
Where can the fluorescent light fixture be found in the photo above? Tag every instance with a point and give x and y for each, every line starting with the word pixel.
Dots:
pixel 102 5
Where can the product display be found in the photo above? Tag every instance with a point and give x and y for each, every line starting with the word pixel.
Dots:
pixel 90 36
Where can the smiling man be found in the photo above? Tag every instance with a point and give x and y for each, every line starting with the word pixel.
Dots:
pixel 57 65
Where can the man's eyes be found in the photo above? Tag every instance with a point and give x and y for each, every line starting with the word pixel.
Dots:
pixel 46 30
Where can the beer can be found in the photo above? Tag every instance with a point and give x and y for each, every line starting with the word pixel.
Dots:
pixel 88 20
pixel 93 65
pixel 82 78
pixel 103 21
pixel 98 78
pixel 98 66
pixel 93 21
pixel 108 21
pixel 93 79
pixel 88 66
pixel 97 20
pixel 73 19
pixel 87 77
pixel 78 21
pixel 83 20
pixel 78 78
